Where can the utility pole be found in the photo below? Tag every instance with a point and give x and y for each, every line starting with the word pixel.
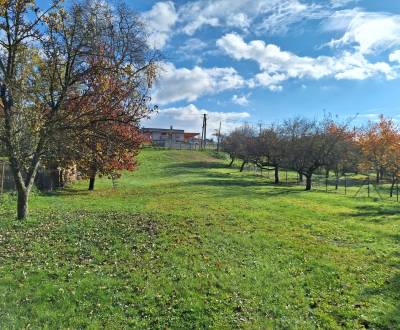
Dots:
pixel 204 132
pixel 202 136
pixel 219 136
pixel 260 125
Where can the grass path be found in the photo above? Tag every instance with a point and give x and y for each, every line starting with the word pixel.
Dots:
pixel 185 242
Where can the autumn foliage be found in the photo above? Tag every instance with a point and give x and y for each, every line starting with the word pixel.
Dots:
pixel 75 82
pixel 380 145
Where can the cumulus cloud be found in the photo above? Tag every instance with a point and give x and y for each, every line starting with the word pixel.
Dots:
pixel 190 118
pixel 179 84
pixel 395 56
pixel 160 20
pixel 367 32
pixel 278 65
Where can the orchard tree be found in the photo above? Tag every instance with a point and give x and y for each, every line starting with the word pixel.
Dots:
pixel 271 150
pixel 47 58
pixel 310 145
pixel 380 145
pixel 241 144
pixel 377 142
pixel 106 148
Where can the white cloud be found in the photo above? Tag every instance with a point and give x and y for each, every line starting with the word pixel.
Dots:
pixel 192 45
pixel 342 3
pixel 193 49
pixel 395 56
pixel 160 21
pixel 367 32
pixel 278 65
pixel 241 100
pixel 178 84
pixel 286 13
pixel 276 14
pixel 190 118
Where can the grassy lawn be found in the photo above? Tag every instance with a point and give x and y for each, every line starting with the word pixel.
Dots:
pixel 185 243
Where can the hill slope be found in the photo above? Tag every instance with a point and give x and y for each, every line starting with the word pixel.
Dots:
pixel 185 242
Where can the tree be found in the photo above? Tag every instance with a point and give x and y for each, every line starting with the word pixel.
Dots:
pixel 110 146
pixel 241 144
pixel 380 145
pixel 47 59
pixel 346 154
pixel 270 150
pixel 310 145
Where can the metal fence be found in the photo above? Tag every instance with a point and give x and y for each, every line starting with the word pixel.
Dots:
pixel 181 146
pixel 46 180
pixel 354 185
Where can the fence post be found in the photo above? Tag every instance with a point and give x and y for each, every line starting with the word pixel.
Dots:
pixel 345 185
pixel 2 177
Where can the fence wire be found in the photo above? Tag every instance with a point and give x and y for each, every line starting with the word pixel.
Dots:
pixel 349 185
pixel 46 180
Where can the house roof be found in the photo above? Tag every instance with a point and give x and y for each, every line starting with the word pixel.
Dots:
pixel 191 135
pixel 162 130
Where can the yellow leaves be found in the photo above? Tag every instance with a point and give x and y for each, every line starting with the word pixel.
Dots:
pixel 151 74
pixel 380 145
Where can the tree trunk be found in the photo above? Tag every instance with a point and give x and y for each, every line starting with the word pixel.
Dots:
pixel 392 186
pixel 327 173
pixel 277 175
pixel 61 178
pixel 92 178
pixel 378 176
pixel 308 182
pixel 231 163
pixel 300 177
pixel 22 204
pixel 91 182
pixel 242 167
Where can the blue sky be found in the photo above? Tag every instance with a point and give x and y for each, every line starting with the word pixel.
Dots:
pixel 259 61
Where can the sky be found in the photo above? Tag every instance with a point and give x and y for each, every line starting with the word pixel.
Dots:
pixel 261 61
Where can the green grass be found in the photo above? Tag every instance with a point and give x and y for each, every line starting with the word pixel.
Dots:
pixel 186 243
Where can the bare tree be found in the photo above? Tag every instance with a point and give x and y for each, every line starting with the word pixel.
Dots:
pixel 270 150
pixel 241 144
pixel 311 145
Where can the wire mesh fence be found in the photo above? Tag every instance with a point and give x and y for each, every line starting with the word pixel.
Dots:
pixel 353 185
pixel 46 179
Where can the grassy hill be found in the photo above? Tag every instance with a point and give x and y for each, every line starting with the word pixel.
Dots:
pixel 185 242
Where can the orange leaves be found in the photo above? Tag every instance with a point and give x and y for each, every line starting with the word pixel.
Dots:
pixel 380 144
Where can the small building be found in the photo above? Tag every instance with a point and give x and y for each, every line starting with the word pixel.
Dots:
pixel 171 137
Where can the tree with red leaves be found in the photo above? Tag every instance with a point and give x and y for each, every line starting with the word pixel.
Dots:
pixel 50 61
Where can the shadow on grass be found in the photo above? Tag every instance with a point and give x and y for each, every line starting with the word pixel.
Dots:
pixel 66 191
pixel 390 290
pixel 377 213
